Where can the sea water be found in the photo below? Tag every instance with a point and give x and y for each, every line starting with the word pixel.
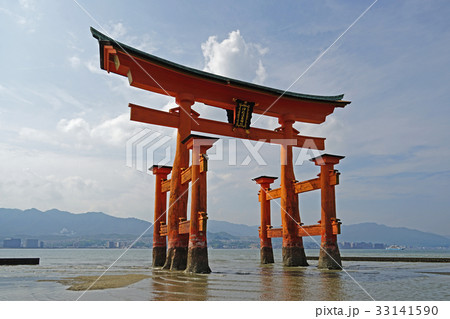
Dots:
pixel 237 275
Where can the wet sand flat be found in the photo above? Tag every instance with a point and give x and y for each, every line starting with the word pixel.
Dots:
pixel 81 283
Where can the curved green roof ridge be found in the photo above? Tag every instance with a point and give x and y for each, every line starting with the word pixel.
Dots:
pixel 104 39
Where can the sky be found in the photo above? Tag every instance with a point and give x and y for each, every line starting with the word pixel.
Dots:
pixel 64 122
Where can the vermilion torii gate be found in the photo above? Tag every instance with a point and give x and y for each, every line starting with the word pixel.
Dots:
pixel 186 239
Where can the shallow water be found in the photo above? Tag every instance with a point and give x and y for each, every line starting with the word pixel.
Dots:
pixel 237 275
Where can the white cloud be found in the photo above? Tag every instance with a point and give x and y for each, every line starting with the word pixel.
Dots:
pixel 9 94
pixel 74 61
pixel 94 67
pixel 143 42
pixel 27 4
pixel 18 18
pixel 72 182
pixel 80 135
pixel 234 57
pixel 114 131
pixel 77 126
pixel 261 73
pixel 34 135
pixel 59 98
pixel 28 17
pixel 116 30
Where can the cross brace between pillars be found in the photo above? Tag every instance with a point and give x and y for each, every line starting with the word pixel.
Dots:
pixel 305 186
pixel 150 116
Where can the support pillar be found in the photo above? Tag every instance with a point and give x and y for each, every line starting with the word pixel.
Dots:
pixel 266 253
pixel 197 258
pixel 330 257
pixel 177 243
pixel 159 242
pixel 292 248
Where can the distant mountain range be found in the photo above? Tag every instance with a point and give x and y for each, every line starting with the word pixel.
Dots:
pixel 35 223
pixel 376 233
pixel 364 232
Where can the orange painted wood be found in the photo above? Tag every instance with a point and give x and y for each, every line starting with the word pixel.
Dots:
pixel 316 230
pixel 160 204
pixel 169 82
pixel 305 186
pixel 304 231
pixel 108 52
pixel 196 204
pixel 163 229
pixel 165 186
pixel 186 175
pixel 197 232
pixel 265 182
pixel 178 199
pixel 203 164
pixel 274 193
pixel 327 198
pixel 312 230
pixel 202 220
pixel 328 207
pixel 336 227
pixel 183 227
pixel 151 116
pixel 274 232
pixel 147 115
pixel 290 215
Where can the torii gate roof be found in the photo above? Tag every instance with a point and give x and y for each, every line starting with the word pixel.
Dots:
pixel 154 74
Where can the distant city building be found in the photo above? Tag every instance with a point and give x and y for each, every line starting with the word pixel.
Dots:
pixel 112 244
pixel 41 244
pixel 362 245
pixel 31 243
pixel 379 246
pixel 345 245
pixel 12 243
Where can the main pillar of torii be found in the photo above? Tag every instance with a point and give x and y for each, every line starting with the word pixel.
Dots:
pixel 292 248
pixel 177 247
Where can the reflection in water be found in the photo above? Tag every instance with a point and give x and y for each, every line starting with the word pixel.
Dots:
pixel 300 283
pixel 282 283
pixel 237 275
pixel 176 285
pixel 268 289
pixel 294 282
pixel 330 285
